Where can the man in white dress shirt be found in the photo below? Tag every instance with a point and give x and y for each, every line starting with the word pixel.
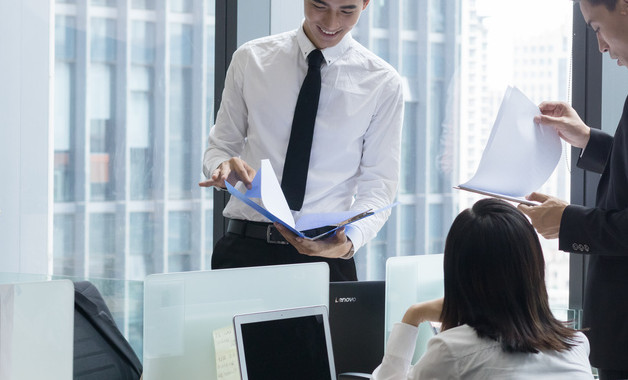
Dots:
pixel 354 159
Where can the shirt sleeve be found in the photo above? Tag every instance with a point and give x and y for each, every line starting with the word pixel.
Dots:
pixel 227 136
pixel 378 175
pixel 399 352
pixel 436 364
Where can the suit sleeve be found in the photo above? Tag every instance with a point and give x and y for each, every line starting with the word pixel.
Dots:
pixel 595 155
pixel 592 229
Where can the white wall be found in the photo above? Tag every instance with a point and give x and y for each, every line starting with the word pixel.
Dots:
pixel 26 76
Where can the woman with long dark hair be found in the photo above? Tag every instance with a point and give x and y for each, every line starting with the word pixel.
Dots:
pixel 496 320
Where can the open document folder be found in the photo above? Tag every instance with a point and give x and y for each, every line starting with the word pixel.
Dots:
pixel 274 206
pixel 520 155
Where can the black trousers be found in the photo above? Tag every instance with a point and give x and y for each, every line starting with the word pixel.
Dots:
pixel 237 251
pixel 609 374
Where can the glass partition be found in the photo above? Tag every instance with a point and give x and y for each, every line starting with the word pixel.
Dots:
pixel 36 330
pixel 125 300
pixel 186 312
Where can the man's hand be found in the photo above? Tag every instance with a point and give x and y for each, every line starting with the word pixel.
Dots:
pixel 333 247
pixel 424 311
pixel 565 120
pixel 546 216
pixel 232 171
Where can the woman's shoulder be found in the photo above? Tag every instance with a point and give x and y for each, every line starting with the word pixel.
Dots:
pixel 463 341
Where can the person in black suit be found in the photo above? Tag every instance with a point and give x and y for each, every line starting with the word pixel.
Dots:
pixel 600 231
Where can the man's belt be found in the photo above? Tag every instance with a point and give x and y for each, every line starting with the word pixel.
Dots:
pixel 266 231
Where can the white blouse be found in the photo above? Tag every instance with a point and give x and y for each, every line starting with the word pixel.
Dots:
pixel 458 353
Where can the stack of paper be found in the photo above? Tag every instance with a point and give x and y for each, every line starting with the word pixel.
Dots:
pixel 520 155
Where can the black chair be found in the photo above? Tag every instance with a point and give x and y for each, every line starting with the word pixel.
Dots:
pixel 100 349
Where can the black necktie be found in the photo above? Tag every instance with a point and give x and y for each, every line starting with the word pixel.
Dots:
pixel 297 161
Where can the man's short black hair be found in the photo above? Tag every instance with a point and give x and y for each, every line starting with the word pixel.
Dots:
pixel 609 4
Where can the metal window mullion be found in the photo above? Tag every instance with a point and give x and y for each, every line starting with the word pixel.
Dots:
pixel 199 96
pixel 226 44
pixel 422 118
pixel 586 100
pixel 160 151
pixel 122 154
pixel 81 139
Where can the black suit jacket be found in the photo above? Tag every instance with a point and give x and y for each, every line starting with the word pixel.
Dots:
pixel 602 232
pixel 100 349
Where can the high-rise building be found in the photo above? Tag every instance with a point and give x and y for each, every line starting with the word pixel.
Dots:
pixel 133 106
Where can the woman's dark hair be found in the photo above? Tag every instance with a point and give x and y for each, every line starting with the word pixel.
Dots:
pixel 495 280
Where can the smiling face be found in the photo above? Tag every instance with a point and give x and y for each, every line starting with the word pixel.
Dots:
pixel 611 28
pixel 328 21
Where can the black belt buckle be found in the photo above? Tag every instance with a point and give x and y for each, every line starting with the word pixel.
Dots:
pixel 274 237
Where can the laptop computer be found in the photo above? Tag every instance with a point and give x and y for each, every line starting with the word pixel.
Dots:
pixel 285 344
pixel 357 321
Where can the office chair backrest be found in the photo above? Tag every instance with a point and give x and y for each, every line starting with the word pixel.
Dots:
pixel 100 349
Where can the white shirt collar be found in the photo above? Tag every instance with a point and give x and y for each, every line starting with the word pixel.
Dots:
pixel 330 54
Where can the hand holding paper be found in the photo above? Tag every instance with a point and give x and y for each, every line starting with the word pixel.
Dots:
pixel 265 187
pixel 520 155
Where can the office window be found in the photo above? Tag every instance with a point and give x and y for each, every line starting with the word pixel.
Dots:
pixel 381 47
pixel 143 4
pixel 407 235
pixel 455 70
pixel 142 260
pixel 180 242
pixel 410 60
pixel 180 111
pixel 64 246
pixel 407 181
pixel 180 6
pixel 65 71
pixel 102 102
pixel 381 12
pixel 131 121
pixel 103 261
pixel 104 3
pixel 437 15
pixel 141 113
pixel 410 12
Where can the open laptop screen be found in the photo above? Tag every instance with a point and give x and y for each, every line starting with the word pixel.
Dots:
pixel 285 344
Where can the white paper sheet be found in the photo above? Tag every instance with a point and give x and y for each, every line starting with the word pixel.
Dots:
pixel 520 155
pixel 227 365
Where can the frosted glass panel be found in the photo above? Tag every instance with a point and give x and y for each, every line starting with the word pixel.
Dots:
pixel 181 311
pixel 36 330
pixel 412 279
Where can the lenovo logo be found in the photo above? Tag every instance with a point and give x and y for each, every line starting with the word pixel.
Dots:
pixel 346 299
